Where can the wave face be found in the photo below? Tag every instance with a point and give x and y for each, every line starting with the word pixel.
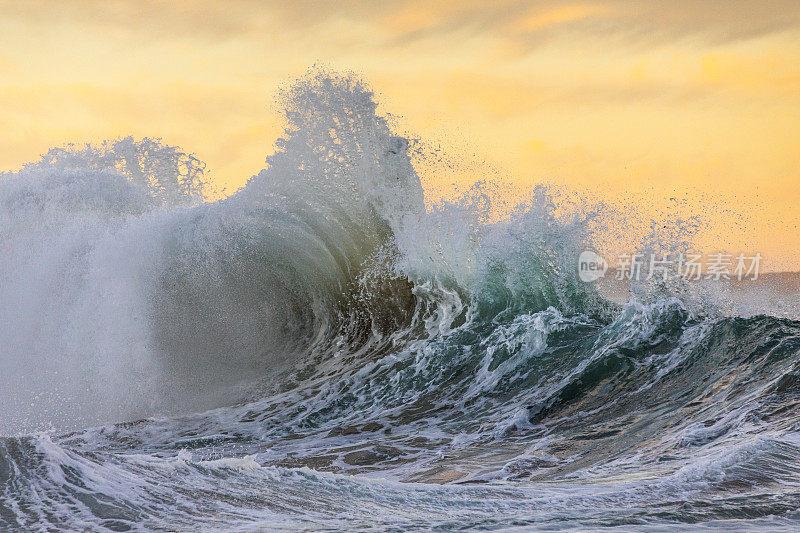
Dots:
pixel 322 350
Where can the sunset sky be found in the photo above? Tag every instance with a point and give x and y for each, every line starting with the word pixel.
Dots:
pixel 616 99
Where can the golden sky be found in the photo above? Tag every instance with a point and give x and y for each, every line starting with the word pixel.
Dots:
pixel 614 99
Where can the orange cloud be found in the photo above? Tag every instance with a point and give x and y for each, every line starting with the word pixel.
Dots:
pixel 541 19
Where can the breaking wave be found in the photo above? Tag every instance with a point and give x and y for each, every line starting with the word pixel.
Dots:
pixel 323 334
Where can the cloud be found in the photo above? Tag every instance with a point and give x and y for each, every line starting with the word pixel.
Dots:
pixel 540 19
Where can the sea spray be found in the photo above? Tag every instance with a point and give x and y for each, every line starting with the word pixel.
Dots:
pixel 297 353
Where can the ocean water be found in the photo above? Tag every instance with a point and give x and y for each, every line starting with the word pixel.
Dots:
pixel 323 351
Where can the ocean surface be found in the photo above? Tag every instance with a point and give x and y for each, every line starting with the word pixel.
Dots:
pixel 324 351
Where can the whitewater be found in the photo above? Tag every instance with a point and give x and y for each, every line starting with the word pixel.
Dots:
pixel 327 349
